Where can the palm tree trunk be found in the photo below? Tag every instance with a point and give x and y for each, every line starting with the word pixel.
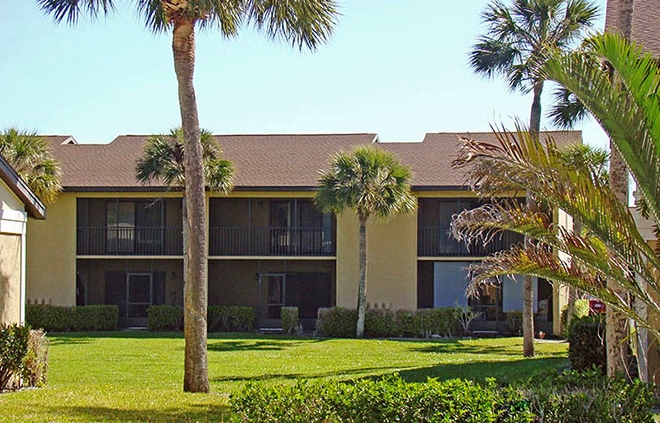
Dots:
pixel 616 323
pixel 528 282
pixel 196 283
pixel 362 287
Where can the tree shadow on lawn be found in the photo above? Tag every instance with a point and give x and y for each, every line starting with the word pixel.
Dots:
pixel 502 371
pixel 220 345
pixel 460 346
pixel 347 373
pixel 193 413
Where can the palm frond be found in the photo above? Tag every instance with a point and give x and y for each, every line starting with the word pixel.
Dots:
pixel 71 10
pixel 304 23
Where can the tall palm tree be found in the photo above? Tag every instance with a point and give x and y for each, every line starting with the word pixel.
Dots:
pixel 628 109
pixel 303 23
pixel 519 38
pixel 163 161
pixel 371 181
pixel 30 157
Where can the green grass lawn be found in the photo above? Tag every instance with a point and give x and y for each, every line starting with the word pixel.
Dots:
pixel 137 376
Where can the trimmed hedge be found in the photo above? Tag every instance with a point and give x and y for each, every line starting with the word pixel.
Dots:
pixel 72 319
pixel 220 318
pixel 586 343
pixel 380 401
pixel 339 322
pixel 13 348
pixel 230 318
pixel 568 398
pixel 165 318
pixel 290 320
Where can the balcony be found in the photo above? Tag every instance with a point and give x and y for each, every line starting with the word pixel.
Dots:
pixel 251 241
pixel 435 241
pixel 129 241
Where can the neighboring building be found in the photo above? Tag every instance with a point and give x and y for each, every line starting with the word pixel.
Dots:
pixel 17 203
pixel 112 241
pixel 645 31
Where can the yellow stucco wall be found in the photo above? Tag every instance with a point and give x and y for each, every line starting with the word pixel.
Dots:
pixel 391 261
pixel 51 254
pixel 10 278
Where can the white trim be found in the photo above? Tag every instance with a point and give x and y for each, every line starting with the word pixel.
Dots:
pixel 290 258
pixel 12 221
pixel 23 291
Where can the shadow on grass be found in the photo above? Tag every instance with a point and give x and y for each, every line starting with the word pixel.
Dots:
pixel 193 413
pixel 260 344
pixel 501 371
pixel 461 346
pixel 365 371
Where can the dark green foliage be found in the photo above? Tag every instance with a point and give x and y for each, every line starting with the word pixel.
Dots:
pixel 380 401
pixel 514 322
pixel 580 310
pixel 72 319
pixel 586 340
pixel 165 318
pixel 339 322
pixel 35 362
pixel 576 397
pixel 230 319
pixel 290 319
pixel 13 348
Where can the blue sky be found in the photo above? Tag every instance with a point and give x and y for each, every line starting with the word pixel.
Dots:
pixel 397 68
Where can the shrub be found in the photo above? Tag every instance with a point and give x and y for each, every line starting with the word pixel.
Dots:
pixel 13 348
pixel 63 319
pixel 407 324
pixel 230 318
pixel 580 310
pixel 442 321
pixel 290 319
pixel 379 401
pixel 165 318
pixel 586 341
pixel 514 322
pixel 336 322
pixel 379 323
pixel 35 362
pixel 574 397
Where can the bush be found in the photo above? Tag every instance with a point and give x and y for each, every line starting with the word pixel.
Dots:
pixel 13 348
pixel 336 322
pixel 290 319
pixel 230 318
pixel 379 323
pixel 586 339
pixel 35 362
pixel 514 322
pixel 339 322
pixel 380 401
pixel 165 318
pixel 580 310
pixel 575 397
pixel 65 319
pixel 442 321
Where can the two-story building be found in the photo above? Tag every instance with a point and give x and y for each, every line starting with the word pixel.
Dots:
pixel 110 240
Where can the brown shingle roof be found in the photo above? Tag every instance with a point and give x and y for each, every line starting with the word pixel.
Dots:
pixel 646 22
pixel 267 162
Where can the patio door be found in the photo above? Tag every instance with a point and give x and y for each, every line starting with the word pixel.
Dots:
pixel 272 293
pixel 140 286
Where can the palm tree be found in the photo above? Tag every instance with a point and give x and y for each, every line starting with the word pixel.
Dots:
pixel 30 157
pixel 609 246
pixel 303 23
pixel 370 181
pixel 163 161
pixel 519 38
pixel 628 109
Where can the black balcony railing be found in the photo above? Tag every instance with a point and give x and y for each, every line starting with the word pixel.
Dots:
pixel 130 241
pixel 435 241
pixel 249 241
